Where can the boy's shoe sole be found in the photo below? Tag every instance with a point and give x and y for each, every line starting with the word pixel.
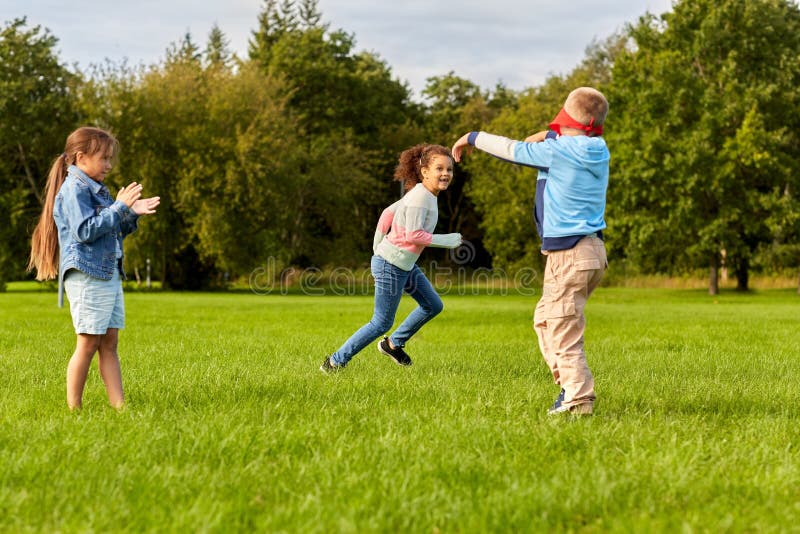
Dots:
pixel 582 409
pixel 578 409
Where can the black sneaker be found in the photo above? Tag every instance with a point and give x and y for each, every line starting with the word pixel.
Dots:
pixel 328 367
pixel 397 354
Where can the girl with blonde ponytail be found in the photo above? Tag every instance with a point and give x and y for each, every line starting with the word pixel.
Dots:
pixel 79 241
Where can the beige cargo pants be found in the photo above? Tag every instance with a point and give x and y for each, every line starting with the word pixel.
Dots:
pixel 570 276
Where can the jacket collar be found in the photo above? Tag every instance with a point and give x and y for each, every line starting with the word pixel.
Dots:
pixel 95 186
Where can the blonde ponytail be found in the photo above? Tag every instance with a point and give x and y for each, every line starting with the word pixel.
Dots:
pixel 44 243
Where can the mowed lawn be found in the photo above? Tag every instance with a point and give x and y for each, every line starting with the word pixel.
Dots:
pixel 231 427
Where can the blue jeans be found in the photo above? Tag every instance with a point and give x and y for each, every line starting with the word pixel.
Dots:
pixel 390 283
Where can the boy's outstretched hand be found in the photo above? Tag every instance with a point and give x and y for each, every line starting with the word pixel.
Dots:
pixel 459 146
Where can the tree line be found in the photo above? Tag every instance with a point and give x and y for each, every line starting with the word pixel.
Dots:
pixel 286 154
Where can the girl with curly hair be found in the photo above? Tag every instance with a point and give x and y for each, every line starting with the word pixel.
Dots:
pixel 404 229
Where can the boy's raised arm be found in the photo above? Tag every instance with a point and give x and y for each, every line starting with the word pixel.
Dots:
pixel 462 143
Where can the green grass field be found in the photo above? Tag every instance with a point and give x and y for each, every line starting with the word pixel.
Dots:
pixel 231 427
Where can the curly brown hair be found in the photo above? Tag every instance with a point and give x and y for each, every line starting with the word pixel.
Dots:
pixel 412 160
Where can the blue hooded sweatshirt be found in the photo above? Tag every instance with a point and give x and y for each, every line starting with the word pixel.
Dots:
pixel 571 187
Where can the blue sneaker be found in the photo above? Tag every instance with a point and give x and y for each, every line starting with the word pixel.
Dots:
pixel 558 407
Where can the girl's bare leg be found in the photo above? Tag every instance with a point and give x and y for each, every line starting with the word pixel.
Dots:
pixel 78 368
pixel 108 361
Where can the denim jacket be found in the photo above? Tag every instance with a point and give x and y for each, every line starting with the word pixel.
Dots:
pixel 91 227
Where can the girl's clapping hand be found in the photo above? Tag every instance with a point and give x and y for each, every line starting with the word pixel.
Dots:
pixel 146 206
pixel 130 194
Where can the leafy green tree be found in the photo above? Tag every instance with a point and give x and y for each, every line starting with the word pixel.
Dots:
pixel 704 114
pixel 37 113
pixel 447 96
pixel 309 14
pixel 251 165
pixel 331 87
pixel 217 52
pixel 272 25
pixel 186 52
pixel 782 252
pixel 235 169
pixel 345 102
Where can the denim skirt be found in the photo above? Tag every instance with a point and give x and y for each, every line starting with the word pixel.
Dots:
pixel 95 305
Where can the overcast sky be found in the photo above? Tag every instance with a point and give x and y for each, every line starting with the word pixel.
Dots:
pixel 516 42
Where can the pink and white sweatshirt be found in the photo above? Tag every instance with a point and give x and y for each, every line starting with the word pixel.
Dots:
pixel 406 227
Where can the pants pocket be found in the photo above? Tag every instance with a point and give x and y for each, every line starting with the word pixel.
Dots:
pixel 588 265
pixel 561 308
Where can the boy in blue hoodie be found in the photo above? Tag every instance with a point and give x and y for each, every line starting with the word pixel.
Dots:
pixel 572 159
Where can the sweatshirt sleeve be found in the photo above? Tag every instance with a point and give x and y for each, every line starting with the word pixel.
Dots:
pixel 537 155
